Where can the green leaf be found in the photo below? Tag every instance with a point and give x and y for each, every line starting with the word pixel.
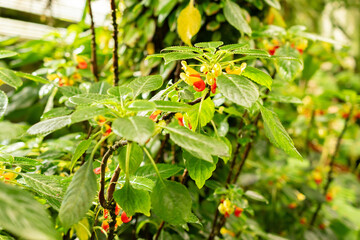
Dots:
pixel 183 49
pixel 3 103
pixel 255 196
pixel 168 106
pixel 288 69
pixel 166 170
pixel 79 196
pixel 136 128
pixel 88 98
pixel 27 164
pixel 137 182
pixel 86 113
pixel 133 200
pixel 7 53
pixel 238 89
pixel 69 91
pixel 174 56
pixel 120 92
pixel 252 52
pixel 32 77
pixel 199 169
pixel 284 99
pixel 236 46
pixel 273 3
pixel 145 84
pixel 56 112
pixel 23 216
pixel 79 151
pixel 141 105
pixel 209 44
pixel 202 113
pixel 10 130
pixel 198 143
pixel 171 201
pixel 100 87
pixel 50 125
pixel 258 76
pixel 188 23
pixel 277 134
pixel 136 157
pixel 234 16
pixel 9 77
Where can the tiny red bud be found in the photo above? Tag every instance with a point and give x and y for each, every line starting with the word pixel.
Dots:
pixel 125 218
pixel 238 211
pixel 199 86
pixel 97 170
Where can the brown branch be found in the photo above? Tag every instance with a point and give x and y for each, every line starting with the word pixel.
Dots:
pixel 331 165
pixel 94 67
pixel 159 230
pixel 112 184
pixel 115 37
pixel 162 148
pixel 103 166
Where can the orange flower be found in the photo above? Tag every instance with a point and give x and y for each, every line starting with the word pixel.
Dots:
pixel 199 85
pixel 180 118
pixel 125 218
pixel 292 205
pixel 154 115
pixel 82 64
pixel 105 225
pixel 235 70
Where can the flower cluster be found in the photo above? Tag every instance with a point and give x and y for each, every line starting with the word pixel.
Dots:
pixel 226 208
pixel 7 176
pixel 101 121
pixel 119 220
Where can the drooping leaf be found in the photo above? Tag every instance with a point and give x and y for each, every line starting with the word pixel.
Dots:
pixel 200 144
pixel 50 125
pixel 23 216
pixel 86 113
pixel 133 200
pixel 56 112
pixel 79 196
pixel 277 134
pixel 288 69
pixel 168 106
pixel 258 76
pixel 3 103
pixel 171 201
pixel 145 84
pixel 273 3
pixel 188 23
pixel 121 92
pixel 234 16
pixel 9 77
pixel 199 169
pixel 7 53
pixel 238 89
pixel 79 151
pixel 136 128
pixel 136 157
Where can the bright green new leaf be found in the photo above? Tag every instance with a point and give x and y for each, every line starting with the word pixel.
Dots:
pixel 145 84
pixel 174 56
pixel 277 134
pixel 171 201
pixel 23 216
pixel 188 23
pixel 9 77
pixel 136 128
pixel 133 200
pixel 234 16
pixel 168 106
pixel 165 170
pixel 199 169
pixel 79 196
pixel 88 98
pixel 50 125
pixel 3 103
pixel 238 89
pixel 141 183
pixel 202 113
pixel 255 196
pixel 79 151
pixel 258 76
pixel 141 105
pixel 209 44
pixel 7 53
pixel 86 113
pixel 136 157
pixel 288 69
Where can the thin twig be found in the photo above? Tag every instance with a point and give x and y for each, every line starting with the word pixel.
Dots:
pixel 331 165
pixel 112 184
pixel 162 148
pixel 115 37
pixel 159 230
pixel 94 67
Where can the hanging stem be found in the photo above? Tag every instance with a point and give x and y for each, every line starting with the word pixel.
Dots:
pixel 153 163
pixel 127 162
pixel 115 37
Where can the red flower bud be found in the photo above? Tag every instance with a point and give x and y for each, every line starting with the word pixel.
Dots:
pixel 213 88
pixel 97 170
pixel 125 218
pixel 117 210
pixel 199 86
pixel 238 211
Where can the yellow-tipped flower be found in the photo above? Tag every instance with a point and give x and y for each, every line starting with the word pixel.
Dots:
pixel 235 70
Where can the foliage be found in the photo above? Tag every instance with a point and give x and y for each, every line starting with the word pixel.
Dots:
pixel 216 130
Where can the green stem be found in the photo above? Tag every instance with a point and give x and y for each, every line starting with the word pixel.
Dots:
pixel 153 163
pixel 127 161
pixel 97 146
